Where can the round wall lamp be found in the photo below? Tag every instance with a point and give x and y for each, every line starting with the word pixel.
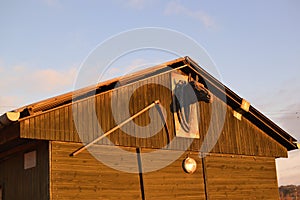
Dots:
pixel 189 165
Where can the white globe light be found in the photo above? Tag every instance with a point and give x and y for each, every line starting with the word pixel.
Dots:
pixel 189 165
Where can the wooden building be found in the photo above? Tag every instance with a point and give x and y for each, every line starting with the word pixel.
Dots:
pixel 194 117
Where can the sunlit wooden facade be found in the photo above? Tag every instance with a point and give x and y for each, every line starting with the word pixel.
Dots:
pixel 35 161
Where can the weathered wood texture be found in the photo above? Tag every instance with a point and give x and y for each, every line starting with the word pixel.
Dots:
pixel 171 182
pixel 98 114
pixel 25 184
pixel 84 177
pixel 239 177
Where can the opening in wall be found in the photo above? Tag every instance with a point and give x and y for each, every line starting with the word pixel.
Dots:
pixel 30 160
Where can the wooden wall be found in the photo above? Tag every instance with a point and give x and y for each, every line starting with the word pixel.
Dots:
pixel 84 177
pixel 244 138
pixel 226 176
pixel 171 182
pixel 58 124
pixel 237 137
pixel 241 177
pixel 25 184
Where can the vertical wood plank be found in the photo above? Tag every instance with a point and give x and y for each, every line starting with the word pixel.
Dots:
pixel 56 125
pixel 71 122
pixel 67 131
pixel 90 119
pixel 62 129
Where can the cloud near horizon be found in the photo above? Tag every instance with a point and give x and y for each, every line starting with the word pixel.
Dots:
pixel 288 169
pixel 22 84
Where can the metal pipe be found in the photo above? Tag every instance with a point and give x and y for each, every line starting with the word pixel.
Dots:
pixel 8 118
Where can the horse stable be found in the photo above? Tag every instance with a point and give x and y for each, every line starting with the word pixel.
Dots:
pixel 171 131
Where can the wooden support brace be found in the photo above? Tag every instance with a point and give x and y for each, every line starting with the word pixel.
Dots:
pixel 113 129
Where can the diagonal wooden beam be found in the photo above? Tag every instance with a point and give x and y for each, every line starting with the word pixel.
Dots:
pixel 113 129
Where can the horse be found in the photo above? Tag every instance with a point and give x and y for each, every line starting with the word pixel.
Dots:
pixel 186 94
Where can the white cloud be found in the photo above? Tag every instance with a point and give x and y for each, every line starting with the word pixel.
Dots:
pixel 175 8
pixel 127 67
pixel 52 79
pixel 19 68
pixel 288 170
pixel 1 66
pixel 8 103
pixel 23 84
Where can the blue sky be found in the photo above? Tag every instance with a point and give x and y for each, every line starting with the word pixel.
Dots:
pixel 255 45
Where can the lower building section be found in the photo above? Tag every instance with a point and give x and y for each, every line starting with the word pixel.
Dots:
pixel 24 172
pixel 45 170
pixel 169 180
pixel 110 172
pixel 241 177
pixel 86 177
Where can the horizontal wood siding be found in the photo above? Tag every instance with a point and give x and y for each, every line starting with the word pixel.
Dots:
pixel 25 184
pixel 84 177
pixel 93 116
pixel 171 182
pixel 236 177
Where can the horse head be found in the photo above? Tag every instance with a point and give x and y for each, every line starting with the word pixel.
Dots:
pixel 191 92
pixel 186 94
pixel 202 94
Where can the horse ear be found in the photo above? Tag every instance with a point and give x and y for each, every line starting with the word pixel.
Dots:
pixel 202 86
pixel 197 78
pixel 190 77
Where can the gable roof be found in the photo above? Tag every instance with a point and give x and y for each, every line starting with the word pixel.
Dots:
pixel 218 89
